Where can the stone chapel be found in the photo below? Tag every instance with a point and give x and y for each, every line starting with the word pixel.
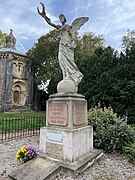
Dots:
pixel 16 78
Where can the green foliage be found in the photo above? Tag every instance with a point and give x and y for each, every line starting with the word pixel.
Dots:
pixel 129 150
pixel 128 40
pixel 109 78
pixel 125 73
pixel 110 132
pixel 2 39
pixel 99 77
pixel 44 57
pixel 87 44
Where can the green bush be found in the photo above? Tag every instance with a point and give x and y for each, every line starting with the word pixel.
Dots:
pixel 111 133
pixel 129 150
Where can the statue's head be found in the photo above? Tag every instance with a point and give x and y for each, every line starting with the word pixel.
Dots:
pixel 62 18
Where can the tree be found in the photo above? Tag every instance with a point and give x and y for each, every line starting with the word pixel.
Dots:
pixel 2 39
pixel 44 56
pixel 126 74
pixel 109 78
pixel 90 42
pixel 86 45
pixel 99 80
pixel 128 40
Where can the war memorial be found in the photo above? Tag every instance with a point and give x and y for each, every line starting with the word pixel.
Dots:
pixel 66 142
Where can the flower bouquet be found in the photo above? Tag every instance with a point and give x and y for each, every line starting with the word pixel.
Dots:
pixel 25 153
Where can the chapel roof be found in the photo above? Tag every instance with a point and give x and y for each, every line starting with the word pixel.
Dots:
pixel 10 45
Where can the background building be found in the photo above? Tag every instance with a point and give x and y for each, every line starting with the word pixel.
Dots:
pixel 16 77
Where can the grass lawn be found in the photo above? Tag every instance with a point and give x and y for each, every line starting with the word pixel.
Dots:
pixel 8 115
pixel 18 122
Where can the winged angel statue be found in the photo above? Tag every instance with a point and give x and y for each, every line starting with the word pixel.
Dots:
pixel 67 44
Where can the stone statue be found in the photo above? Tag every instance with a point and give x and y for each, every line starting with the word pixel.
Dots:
pixel 66 47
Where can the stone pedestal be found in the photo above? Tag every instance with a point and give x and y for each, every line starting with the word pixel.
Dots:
pixel 66 110
pixel 66 135
pixel 64 144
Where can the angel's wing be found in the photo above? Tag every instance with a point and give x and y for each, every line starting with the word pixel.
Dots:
pixel 77 23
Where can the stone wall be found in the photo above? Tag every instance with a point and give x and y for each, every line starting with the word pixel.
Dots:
pixel 1 83
pixel 15 81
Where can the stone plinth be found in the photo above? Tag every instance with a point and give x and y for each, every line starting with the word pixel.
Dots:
pixel 66 110
pixel 66 144
pixel 66 136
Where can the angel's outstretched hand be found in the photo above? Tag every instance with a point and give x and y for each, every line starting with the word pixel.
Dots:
pixel 42 13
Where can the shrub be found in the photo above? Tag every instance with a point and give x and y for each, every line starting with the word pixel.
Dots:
pixel 111 133
pixel 129 150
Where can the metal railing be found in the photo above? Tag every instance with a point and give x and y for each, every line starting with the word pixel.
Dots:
pixel 18 127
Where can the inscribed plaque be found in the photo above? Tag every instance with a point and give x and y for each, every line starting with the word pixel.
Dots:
pixel 54 149
pixel 57 114
pixel 54 137
pixel 80 113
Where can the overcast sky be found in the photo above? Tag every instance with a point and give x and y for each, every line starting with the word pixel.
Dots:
pixel 111 18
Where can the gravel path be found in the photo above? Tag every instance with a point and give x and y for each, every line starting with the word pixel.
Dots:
pixel 8 162
pixel 109 167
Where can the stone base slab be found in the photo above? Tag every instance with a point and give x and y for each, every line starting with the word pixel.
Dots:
pixel 67 145
pixel 44 168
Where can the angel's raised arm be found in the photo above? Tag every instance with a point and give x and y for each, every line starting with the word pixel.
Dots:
pixel 43 14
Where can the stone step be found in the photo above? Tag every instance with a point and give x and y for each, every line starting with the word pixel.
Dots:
pixel 37 169
pixel 45 168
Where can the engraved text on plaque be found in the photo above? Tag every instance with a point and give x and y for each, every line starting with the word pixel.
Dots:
pixel 54 149
pixel 57 114
pixel 80 113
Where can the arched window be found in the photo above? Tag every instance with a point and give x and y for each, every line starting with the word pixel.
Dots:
pixel 16 97
pixel 19 67
pixel 19 93
pixel 14 67
pixel 16 94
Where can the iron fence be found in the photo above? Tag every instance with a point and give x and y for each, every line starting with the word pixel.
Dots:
pixel 18 127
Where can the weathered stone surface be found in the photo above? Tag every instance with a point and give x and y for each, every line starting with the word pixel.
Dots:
pixel 66 116
pixel 57 114
pixel 44 168
pixel 15 77
pixel 54 149
pixel 36 169
pixel 71 74
pixel 79 113
pixel 10 40
pixel 75 143
pixel 69 110
pixel 67 86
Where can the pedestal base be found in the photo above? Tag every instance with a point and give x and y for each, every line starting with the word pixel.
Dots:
pixel 67 145
pixel 66 110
